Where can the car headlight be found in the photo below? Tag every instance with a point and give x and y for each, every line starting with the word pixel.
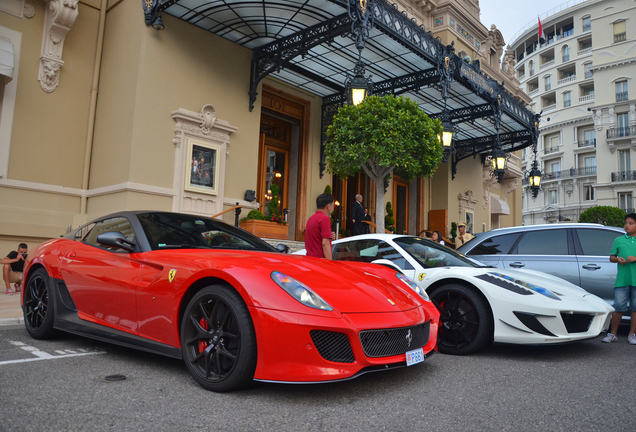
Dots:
pixel 415 287
pixel 300 291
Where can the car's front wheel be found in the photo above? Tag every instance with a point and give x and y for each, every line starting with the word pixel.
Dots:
pixel 38 305
pixel 466 321
pixel 218 339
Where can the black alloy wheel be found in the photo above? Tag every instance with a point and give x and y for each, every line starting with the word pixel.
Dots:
pixel 218 339
pixel 465 323
pixel 38 305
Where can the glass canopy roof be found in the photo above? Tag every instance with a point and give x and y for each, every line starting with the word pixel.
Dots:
pixel 308 44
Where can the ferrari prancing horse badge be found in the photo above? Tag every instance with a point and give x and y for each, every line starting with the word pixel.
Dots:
pixel 421 276
pixel 171 274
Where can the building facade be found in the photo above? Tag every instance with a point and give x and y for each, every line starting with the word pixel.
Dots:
pixel 579 79
pixel 101 113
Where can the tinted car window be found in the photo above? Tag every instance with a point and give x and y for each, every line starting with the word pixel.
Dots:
pixel 495 245
pixel 430 254
pixel 173 230
pixel 119 224
pixel 545 242
pixel 596 241
pixel 369 250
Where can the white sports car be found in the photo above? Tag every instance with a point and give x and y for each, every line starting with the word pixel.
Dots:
pixel 481 304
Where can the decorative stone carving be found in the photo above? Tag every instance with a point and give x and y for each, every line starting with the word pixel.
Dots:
pixel 466 202
pixel 610 144
pixel 632 114
pixel 508 186
pixel 201 128
pixel 59 17
pixel 612 117
pixel 509 62
pixel 568 188
pixel 29 11
pixel 596 116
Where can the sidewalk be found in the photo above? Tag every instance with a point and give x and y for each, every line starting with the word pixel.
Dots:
pixel 10 310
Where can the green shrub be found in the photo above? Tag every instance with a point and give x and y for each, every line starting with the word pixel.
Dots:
pixel 605 215
pixel 453 231
pixel 328 189
pixel 254 215
pixel 389 222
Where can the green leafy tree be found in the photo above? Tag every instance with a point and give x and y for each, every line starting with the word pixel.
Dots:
pixel 606 215
pixel 379 135
pixel 453 231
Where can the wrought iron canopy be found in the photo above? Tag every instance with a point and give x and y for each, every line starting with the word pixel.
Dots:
pixel 309 44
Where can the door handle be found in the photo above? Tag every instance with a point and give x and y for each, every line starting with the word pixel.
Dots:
pixel 591 267
pixel 516 265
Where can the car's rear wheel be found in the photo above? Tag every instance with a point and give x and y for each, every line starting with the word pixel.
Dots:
pixel 218 340
pixel 466 321
pixel 38 305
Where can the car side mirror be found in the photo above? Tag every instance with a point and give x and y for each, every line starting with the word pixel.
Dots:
pixel 282 248
pixel 117 240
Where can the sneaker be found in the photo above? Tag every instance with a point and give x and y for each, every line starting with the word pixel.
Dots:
pixel 632 339
pixel 9 292
pixel 611 338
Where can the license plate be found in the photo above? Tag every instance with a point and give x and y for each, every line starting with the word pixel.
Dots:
pixel 414 357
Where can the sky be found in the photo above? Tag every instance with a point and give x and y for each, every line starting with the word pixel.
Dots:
pixel 511 16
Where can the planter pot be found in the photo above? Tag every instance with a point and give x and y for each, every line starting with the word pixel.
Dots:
pixel 266 229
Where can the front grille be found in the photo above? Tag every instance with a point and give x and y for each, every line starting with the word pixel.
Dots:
pixel 389 342
pixel 332 346
pixel 577 323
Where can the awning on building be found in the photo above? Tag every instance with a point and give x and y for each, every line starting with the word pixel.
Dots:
pixel 7 59
pixel 498 206
pixel 308 44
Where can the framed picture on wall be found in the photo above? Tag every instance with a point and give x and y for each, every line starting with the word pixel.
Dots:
pixel 202 167
pixel 470 218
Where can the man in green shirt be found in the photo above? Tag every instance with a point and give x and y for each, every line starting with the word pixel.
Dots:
pixel 624 254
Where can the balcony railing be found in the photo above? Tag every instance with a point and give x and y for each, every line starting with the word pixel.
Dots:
pixel 621 132
pixel 548 86
pixel 549 150
pixel 531 72
pixel 622 96
pixel 591 170
pixel 566 58
pixel 587 98
pixel 620 37
pixel 588 143
pixel 546 65
pixel 589 74
pixel 522 77
pixel 623 176
pixel 549 107
pixel 566 80
pixel 629 210
pixel 533 91
pixel 584 51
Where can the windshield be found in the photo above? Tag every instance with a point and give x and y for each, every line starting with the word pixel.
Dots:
pixel 178 231
pixel 430 254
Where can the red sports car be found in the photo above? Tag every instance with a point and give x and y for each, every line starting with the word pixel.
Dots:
pixel 233 307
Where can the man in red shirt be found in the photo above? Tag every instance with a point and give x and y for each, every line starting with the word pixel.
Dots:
pixel 318 234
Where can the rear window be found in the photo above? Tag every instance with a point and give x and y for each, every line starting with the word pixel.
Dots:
pixel 495 245
pixel 544 242
pixel 597 242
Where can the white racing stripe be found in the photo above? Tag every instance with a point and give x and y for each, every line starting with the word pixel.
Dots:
pixel 41 355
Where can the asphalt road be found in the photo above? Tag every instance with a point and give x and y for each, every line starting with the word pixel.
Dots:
pixel 60 385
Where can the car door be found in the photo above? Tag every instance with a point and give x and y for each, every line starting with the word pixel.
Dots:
pixel 547 250
pixel 597 273
pixel 101 280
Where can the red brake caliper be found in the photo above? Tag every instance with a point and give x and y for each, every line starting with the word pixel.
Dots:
pixel 203 344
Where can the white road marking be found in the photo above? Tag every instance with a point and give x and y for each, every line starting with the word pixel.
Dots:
pixel 41 355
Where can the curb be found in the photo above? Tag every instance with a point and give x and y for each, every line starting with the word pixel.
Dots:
pixel 11 321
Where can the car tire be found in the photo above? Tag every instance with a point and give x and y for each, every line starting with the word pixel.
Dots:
pixel 38 305
pixel 466 323
pixel 218 341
